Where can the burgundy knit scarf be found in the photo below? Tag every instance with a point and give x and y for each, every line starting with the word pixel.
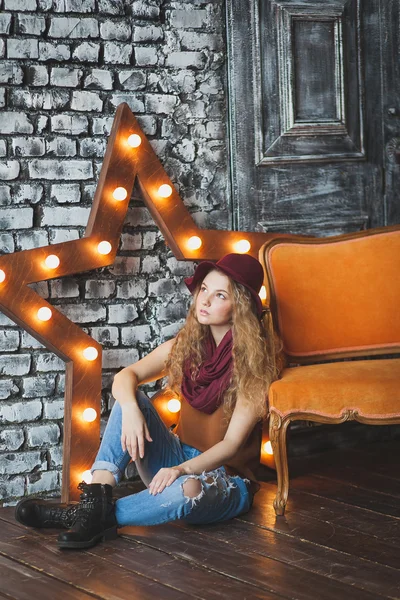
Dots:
pixel 206 392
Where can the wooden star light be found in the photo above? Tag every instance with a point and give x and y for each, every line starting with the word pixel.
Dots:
pixel 128 155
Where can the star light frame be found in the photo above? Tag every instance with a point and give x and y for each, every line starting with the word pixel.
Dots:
pixel 122 164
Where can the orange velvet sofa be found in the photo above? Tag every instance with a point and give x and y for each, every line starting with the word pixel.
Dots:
pixel 330 300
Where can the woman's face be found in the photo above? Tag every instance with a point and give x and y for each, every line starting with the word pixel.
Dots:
pixel 214 301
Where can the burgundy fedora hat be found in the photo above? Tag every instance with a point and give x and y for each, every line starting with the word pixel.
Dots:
pixel 242 268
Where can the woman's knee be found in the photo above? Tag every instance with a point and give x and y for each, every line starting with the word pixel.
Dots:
pixel 191 488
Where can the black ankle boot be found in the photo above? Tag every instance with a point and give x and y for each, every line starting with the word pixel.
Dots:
pixel 95 518
pixel 34 512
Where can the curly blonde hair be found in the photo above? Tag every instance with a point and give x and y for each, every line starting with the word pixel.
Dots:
pixel 256 350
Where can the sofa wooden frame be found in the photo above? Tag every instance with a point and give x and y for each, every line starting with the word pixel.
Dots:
pixel 279 421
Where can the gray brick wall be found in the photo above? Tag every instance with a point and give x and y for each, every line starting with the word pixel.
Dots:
pixel 65 66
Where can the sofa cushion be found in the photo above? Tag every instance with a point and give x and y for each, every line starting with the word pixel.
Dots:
pixel 370 386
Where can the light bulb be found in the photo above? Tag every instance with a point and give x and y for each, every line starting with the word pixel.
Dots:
pixel 2 276
pixel 89 415
pixel 165 190
pixel 44 313
pixel 87 477
pixel 267 447
pixel 90 353
pixel 134 140
pixel 174 405
pixel 242 246
pixel 120 193
pixel 52 261
pixel 263 293
pixel 104 248
pixel 194 242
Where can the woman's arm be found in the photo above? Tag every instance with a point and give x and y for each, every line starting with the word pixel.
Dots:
pixel 149 368
pixel 242 423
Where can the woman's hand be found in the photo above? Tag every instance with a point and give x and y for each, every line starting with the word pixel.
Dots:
pixel 163 478
pixel 134 430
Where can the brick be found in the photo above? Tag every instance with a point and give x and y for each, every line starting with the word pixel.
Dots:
pixel 65 216
pixel 143 9
pixel 2 48
pixel 65 193
pixel 125 265
pixel 41 288
pixel 146 56
pixel 15 122
pixel 65 77
pixel 5 21
pixel 92 147
pixel 60 384
pixel 48 361
pixel 19 412
pixel 187 19
pixel 132 80
pixel 86 101
pixel 122 313
pixel 30 25
pixel 42 123
pixel 16 218
pixel 53 409
pixel 28 341
pixel 99 79
pixel 5 195
pixel 150 238
pixel 9 170
pixel 6 243
pixel 2 97
pixel 43 481
pixel 199 41
pixel 55 169
pixel 117 53
pixel 71 124
pixel 54 51
pixel 190 112
pixel 21 462
pixel 32 239
pixel 12 487
pixel 47 99
pixel 170 331
pixel 37 75
pixel 130 336
pixel 148 123
pixel 131 289
pixel 38 386
pixel 185 150
pixel 172 311
pixel 161 103
pixel 10 73
pixel 183 60
pixel 107 336
pixel 87 52
pixel 150 33
pixel 180 268
pixel 150 264
pixel 114 30
pixel 111 7
pixel 61 146
pixel 139 217
pixel 99 289
pixel 183 81
pixel 102 125
pixel 73 27
pixel 55 456
pixel 84 312
pixel 63 235
pixel 41 435
pixel 131 242
pixel 162 287
pixel 119 358
pixel 135 104
pixel 64 288
pixel 9 340
pixel 5 321
pixel 212 85
pixel 28 146
pixel 11 439
pixel 3 148
pixel 80 6
pixel 20 5
pixel 17 48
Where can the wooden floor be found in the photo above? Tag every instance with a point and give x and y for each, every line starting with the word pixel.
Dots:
pixel 339 539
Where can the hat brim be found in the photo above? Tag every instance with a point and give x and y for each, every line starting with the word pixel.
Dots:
pixel 205 267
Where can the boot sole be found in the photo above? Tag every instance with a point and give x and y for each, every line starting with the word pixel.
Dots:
pixel 109 534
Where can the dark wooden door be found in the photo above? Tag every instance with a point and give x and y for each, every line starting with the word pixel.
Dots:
pixel 314 114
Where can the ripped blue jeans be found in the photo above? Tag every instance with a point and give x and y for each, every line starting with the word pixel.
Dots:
pixel 222 497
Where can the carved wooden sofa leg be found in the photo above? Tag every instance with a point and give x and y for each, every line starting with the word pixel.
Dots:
pixel 277 435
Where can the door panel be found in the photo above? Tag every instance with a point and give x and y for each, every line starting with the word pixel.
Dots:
pixel 305 87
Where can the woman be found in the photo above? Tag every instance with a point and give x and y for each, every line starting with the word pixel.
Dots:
pixel 220 364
